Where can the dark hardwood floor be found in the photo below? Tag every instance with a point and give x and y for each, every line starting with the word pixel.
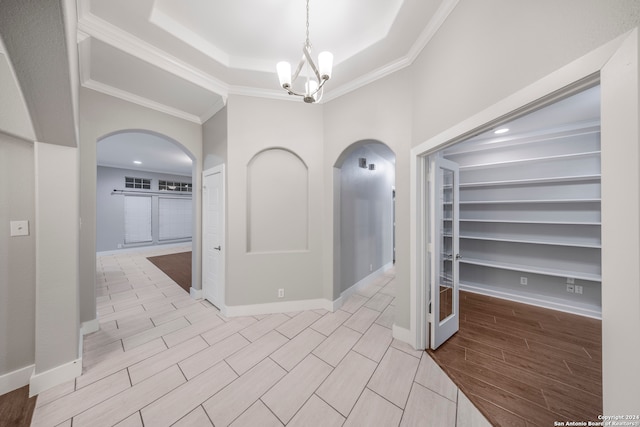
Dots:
pixel 177 266
pixel 16 408
pixel 523 365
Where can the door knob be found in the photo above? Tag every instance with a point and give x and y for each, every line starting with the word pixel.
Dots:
pixel 218 248
pixel 458 256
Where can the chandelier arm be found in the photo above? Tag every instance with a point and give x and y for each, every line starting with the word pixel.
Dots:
pixel 307 55
pixel 298 69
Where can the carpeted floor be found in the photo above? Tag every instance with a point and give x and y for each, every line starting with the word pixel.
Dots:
pixel 177 266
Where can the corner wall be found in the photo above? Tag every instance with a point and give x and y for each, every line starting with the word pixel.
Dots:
pixel 17 262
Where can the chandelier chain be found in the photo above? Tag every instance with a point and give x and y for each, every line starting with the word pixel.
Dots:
pixel 307 43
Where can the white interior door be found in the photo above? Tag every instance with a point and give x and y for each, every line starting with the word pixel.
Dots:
pixel 445 252
pixel 213 237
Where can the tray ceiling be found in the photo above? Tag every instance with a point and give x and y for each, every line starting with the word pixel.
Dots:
pixel 186 57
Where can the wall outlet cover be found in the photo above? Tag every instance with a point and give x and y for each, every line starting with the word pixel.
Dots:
pixel 570 288
pixel 19 228
pixel 578 289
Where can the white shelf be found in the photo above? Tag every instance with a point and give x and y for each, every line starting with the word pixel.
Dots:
pixel 529 160
pixel 511 202
pixel 534 242
pixel 529 222
pixel 535 270
pixel 548 180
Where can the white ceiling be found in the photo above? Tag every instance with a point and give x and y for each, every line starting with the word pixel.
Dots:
pixel 580 108
pixel 185 57
pixel 156 154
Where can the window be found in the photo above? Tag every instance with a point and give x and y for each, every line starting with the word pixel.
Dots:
pixel 143 183
pixel 174 186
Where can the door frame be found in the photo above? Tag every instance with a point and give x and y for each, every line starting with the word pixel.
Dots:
pixel 598 65
pixel 212 171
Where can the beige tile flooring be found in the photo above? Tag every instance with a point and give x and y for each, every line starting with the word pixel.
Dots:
pixel 162 358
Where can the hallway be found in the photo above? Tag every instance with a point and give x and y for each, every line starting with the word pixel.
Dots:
pixel 162 358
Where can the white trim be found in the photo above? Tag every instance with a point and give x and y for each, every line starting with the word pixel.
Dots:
pixel 559 305
pixel 364 282
pixel 15 379
pixel 521 101
pixel 139 100
pixel 134 249
pixel 89 327
pixel 404 335
pixel 446 7
pixel 128 43
pixel 278 307
pixel 51 378
pixel 195 293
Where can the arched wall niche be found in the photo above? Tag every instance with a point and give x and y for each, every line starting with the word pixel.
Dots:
pixel 277 202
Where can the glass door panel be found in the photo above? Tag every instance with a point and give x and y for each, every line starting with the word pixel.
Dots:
pixel 445 256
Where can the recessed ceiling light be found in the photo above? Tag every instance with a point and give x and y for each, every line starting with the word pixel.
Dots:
pixel 501 131
pixel 137 162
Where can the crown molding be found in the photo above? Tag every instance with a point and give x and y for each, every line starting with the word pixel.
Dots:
pixel 425 37
pixel 91 26
pixel 211 111
pixel 102 30
pixel 143 102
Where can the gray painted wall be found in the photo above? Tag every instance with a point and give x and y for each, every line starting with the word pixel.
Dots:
pixel 214 140
pixel 17 255
pixel 366 210
pixel 110 208
pixel 254 278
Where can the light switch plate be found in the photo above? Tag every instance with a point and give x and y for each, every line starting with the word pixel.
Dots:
pixel 19 228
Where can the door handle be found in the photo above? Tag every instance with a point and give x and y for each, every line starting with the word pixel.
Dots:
pixel 458 256
pixel 218 248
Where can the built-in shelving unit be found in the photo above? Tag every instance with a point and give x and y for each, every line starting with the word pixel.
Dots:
pixel 530 212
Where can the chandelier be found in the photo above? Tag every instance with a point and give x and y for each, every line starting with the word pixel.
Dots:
pixel 316 76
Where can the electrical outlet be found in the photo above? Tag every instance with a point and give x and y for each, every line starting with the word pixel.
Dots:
pixel 280 293
pixel 570 280
pixel 570 288
pixel 578 289
pixel 523 280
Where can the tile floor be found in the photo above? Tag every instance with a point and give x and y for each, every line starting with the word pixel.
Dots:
pixel 162 358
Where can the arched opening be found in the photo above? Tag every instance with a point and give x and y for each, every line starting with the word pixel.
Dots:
pixel 364 215
pixel 145 195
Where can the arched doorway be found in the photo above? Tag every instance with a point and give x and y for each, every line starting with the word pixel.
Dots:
pixel 145 193
pixel 364 223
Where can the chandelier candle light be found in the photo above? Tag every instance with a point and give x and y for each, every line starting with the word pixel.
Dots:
pixel 313 87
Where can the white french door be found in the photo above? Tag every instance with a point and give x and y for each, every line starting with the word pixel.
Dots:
pixel 213 237
pixel 445 253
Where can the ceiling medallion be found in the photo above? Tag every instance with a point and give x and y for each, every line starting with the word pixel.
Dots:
pixel 316 77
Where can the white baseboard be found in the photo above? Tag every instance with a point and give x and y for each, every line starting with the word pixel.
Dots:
pixel 142 248
pixel 364 282
pixel 15 379
pixel 51 378
pixel 559 305
pixel 403 334
pixel 337 304
pixel 195 293
pixel 278 307
pixel 89 327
